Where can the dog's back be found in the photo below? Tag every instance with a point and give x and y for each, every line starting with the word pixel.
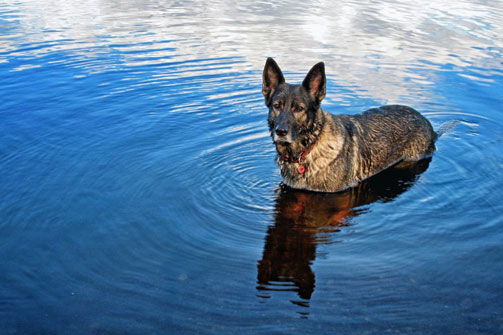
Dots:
pixel 382 137
pixel 390 134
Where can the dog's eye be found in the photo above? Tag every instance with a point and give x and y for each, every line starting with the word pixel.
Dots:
pixel 300 109
pixel 276 105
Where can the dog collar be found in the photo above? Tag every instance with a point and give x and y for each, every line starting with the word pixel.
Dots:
pixel 300 158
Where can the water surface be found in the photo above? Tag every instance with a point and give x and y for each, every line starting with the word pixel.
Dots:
pixel 139 193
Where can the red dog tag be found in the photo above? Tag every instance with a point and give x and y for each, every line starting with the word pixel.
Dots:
pixel 301 169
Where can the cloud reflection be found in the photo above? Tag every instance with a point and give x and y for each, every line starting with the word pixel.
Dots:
pixel 371 46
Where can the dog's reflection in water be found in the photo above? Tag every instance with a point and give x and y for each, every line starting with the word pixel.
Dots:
pixel 302 218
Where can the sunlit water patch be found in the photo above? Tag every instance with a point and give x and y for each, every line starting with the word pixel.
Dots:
pixel 140 193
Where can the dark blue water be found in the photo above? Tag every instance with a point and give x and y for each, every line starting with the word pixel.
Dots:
pixel 139 193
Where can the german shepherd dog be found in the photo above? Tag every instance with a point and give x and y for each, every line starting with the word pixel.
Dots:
pixel 318 151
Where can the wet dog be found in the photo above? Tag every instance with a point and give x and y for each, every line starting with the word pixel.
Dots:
pixel 318 151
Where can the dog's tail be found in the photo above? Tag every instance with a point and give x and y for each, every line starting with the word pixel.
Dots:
pixel 447 127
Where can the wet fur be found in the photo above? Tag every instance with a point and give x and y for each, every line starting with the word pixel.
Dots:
pixel 345 149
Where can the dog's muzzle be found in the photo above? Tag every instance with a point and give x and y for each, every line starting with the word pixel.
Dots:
pixel 283 134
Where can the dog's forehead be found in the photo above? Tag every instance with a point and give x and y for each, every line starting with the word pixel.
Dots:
pixel 291 92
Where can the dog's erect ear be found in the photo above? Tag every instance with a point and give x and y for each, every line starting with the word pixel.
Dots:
pixel 315 82
pixel 271 79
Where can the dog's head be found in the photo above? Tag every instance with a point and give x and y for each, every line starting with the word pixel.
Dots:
pixel 292 108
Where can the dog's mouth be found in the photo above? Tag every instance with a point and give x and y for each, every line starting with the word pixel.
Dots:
pixel 289 144
pixel 290 149
pixel 283 149
pixel 284 146
pixel 287 149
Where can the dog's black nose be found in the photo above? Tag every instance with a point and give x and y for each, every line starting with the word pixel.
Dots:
pixel 281 130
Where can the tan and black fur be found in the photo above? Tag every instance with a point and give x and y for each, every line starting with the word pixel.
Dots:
pixel 319 151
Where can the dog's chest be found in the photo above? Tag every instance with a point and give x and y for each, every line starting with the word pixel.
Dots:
pixel 304 175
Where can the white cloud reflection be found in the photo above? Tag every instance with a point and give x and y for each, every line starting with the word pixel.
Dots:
pixel 384 49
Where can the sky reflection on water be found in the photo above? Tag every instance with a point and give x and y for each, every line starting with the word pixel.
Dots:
pixel 384 50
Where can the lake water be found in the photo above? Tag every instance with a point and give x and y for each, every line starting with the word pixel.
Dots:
pixel 139 192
